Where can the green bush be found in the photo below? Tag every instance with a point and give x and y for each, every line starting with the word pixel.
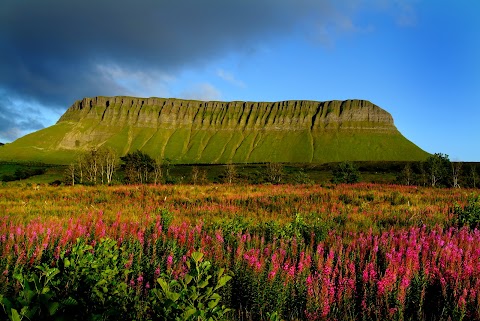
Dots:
pixel 193 297
pixel 470 214
pixel 346 172
pixel 36 299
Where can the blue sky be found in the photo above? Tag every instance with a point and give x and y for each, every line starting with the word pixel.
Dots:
pixel 417 59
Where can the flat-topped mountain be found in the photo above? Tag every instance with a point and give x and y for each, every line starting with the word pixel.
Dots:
pixel 189 131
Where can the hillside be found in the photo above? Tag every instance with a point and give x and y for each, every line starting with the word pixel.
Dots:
pixel 188 131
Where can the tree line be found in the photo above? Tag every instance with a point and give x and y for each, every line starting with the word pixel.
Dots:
pixel 436 171
pixel 104 166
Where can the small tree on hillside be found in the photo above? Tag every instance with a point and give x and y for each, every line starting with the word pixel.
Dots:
pixel 346 172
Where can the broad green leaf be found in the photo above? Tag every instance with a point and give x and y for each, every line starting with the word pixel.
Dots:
pixel 163 285
pixel 212 304
pixel 189 313
pixel 197 256
pixel 215 296
pixel 188 279
pixel 203 284
pixel 53 307
pixel 15 315
pixel 172 296
pixel 223 280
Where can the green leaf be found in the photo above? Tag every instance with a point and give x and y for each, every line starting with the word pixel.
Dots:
pixel 188 279
pixel 15 315
pixel 203 284
pixel 163 285
pixel 172 296
pixel 70 301
pixel 223 280
pixel 189 313
pixel 197 256
pixel 66 262
pixel 215 296
pixel 212 304
pixel 53 307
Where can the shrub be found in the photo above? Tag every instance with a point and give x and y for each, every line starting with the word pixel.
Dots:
pixel 346 172
pixel 470 214
pixel 193 297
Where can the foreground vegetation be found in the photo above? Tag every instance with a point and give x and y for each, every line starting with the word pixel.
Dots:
pixel 263 252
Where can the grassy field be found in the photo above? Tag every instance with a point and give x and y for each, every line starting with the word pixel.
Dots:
pixel 293 252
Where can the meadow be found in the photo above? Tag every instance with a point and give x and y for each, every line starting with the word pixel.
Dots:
pixel 268 252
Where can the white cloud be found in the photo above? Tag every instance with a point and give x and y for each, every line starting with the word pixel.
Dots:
pixel 230 78
pixel 137 82
pixel 202 91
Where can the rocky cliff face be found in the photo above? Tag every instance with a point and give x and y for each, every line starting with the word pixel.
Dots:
pixel 284 115
pixel 187 131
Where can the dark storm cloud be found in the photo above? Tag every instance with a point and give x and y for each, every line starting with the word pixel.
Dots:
pixel 51 50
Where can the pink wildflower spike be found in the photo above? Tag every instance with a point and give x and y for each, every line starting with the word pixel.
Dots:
pixel 169 262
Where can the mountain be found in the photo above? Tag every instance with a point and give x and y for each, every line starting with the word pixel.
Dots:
pixel 189 131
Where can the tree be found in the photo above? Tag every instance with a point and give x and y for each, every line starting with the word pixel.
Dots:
pixel 346 172
pixel 70 174
pixel 109 161
pixel 203 177
pixel 96 164
pixel 406 175
pixel 437 166
pixel 423 177
pixel 274 172
pixel 138 167
pixel 157 171
pixel 473 175
pixel 456 168
pixel 301 177
pixel 167 165
pixel 230 173
pixel 91 163
pixel 195 175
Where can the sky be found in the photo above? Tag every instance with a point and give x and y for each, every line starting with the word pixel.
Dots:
pixel 417 59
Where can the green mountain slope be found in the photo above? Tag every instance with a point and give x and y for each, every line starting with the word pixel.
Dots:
pixel 188 131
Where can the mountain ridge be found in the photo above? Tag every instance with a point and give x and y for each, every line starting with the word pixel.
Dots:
pixel 190 131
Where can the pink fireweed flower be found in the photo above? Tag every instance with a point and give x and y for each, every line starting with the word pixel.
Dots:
pixel 271 274
pixel 169 262
pixel 219 237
